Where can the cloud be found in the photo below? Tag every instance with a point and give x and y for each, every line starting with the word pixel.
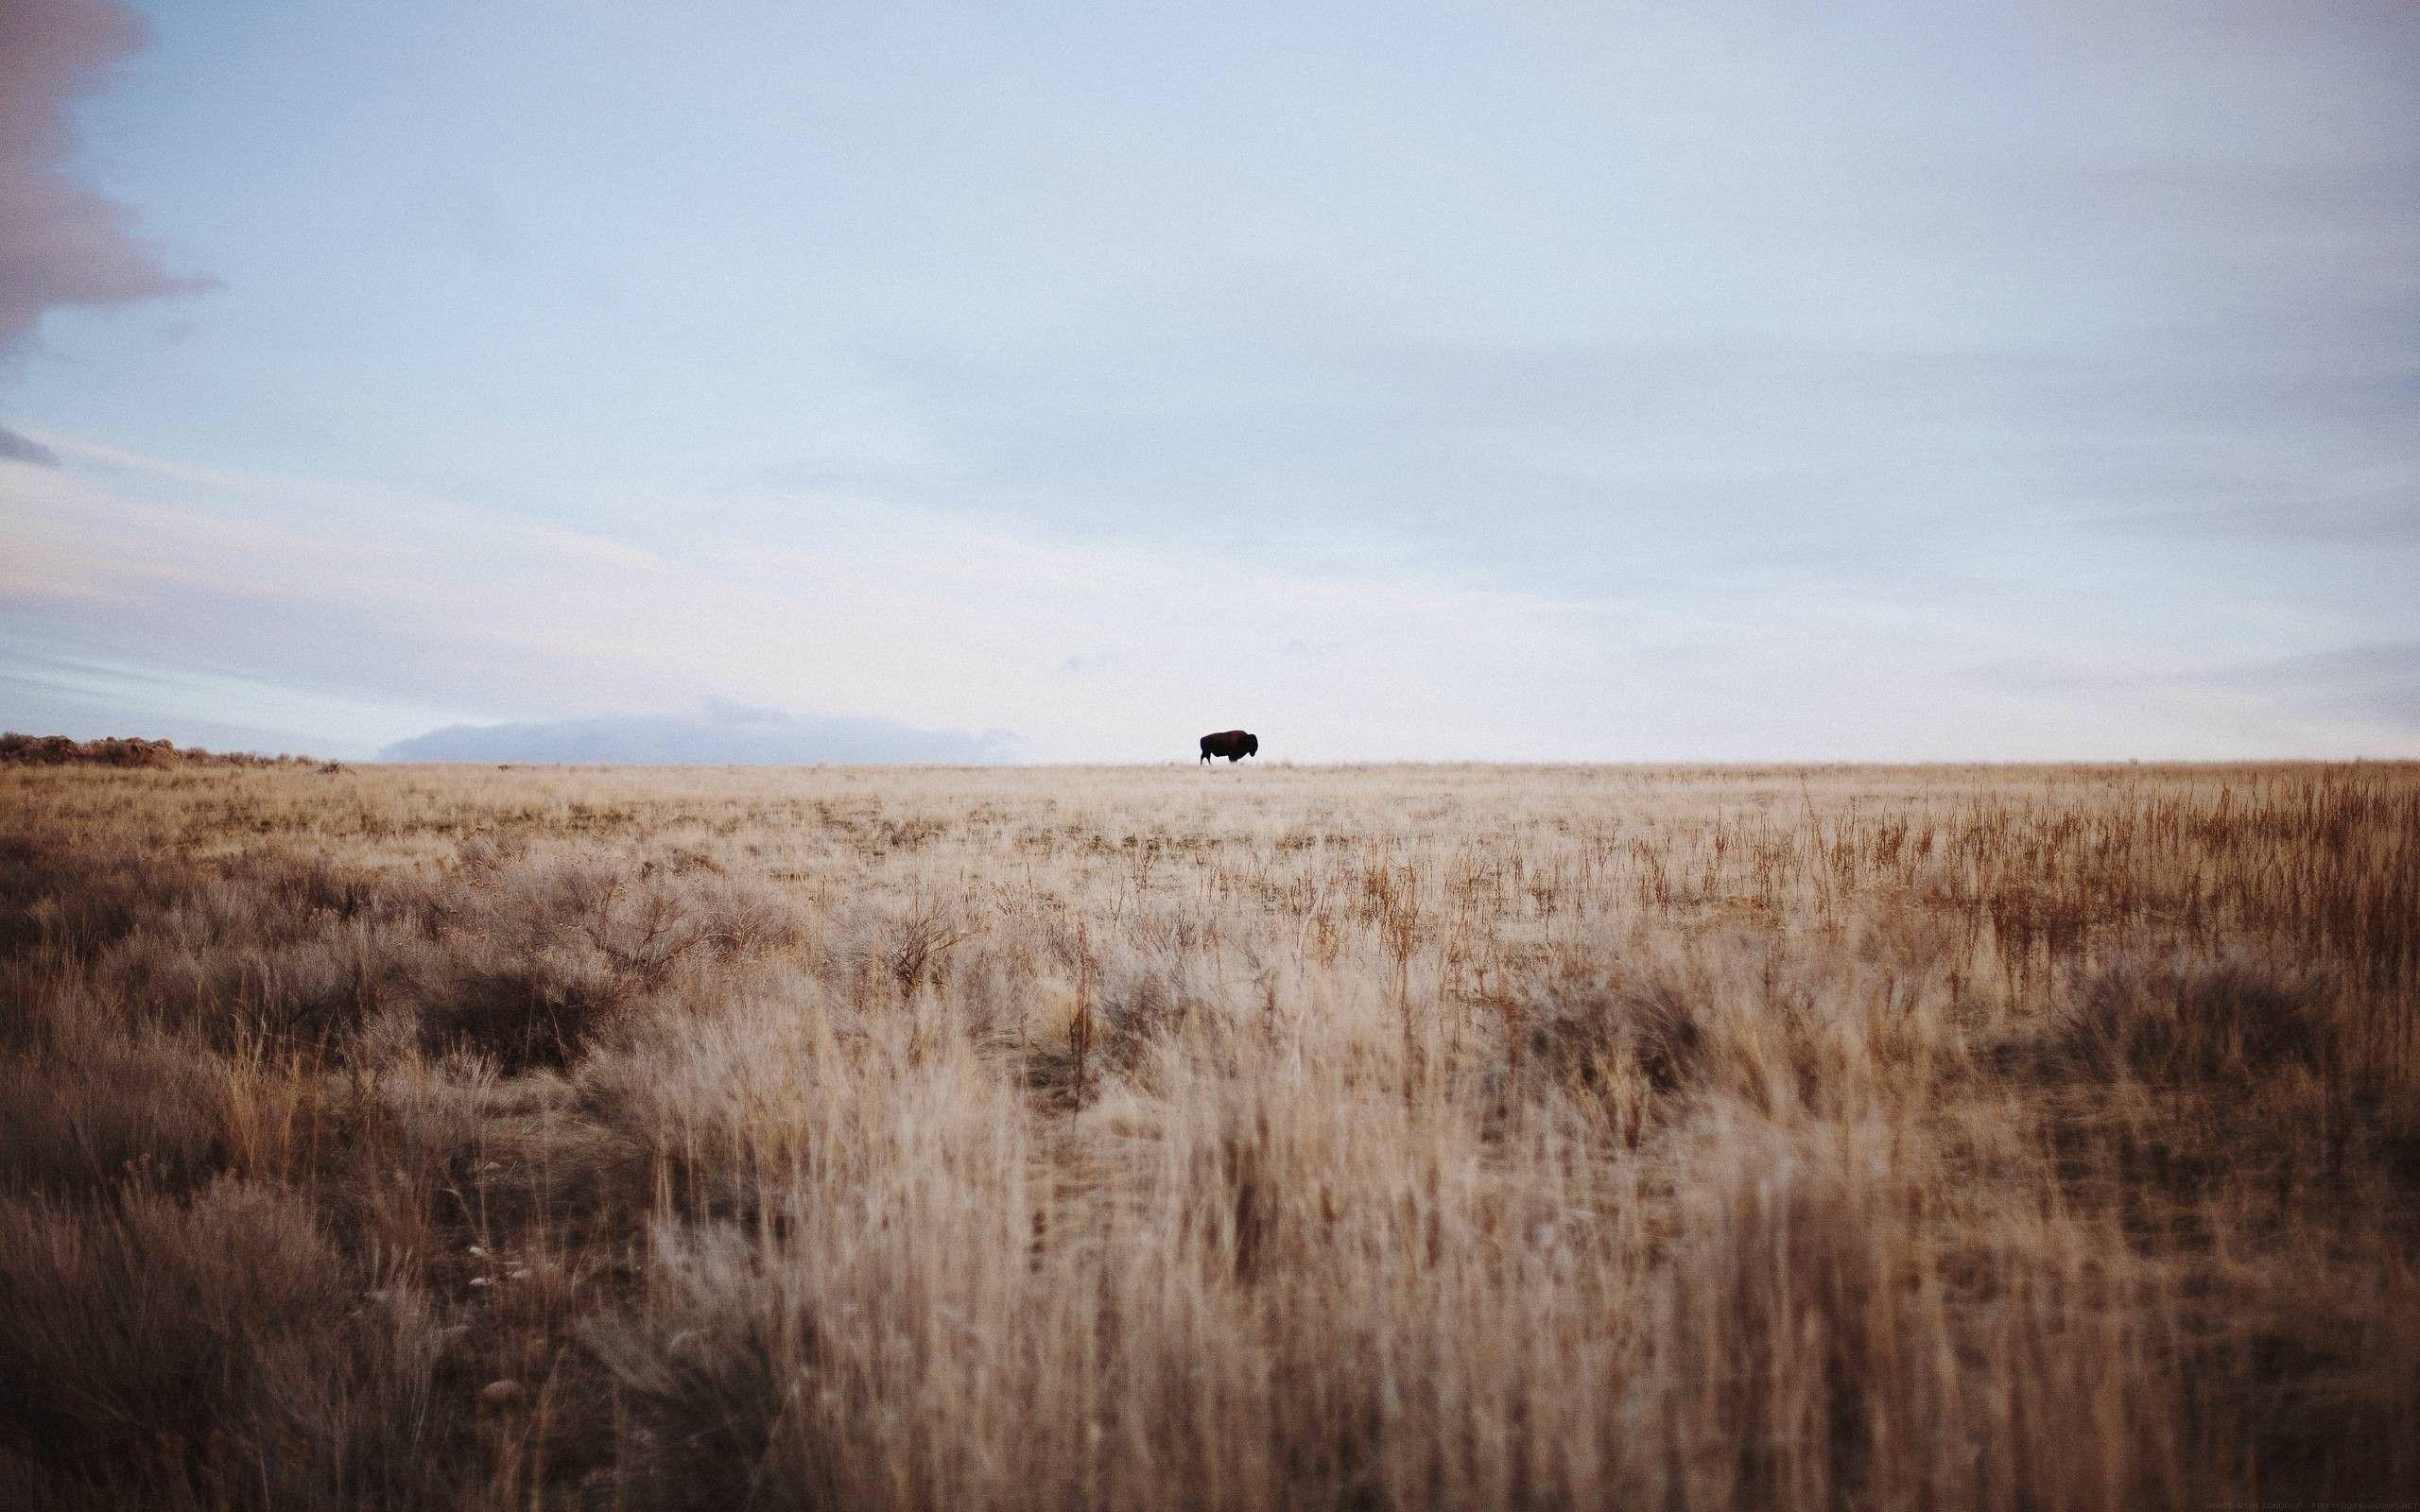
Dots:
pixel 725 711
pixel 2379 682
pixel 2374 685
pixel 724 734
pixel 928 619
pixel 16 448
pixel 87 700
pixel 2388 520
pixel 61 242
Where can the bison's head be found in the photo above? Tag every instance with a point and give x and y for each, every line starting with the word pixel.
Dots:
pixel 1252 744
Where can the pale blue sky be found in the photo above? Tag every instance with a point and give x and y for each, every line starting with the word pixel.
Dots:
pixel 1711 381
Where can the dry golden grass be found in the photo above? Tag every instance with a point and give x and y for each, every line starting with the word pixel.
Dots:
pixel 2019 1138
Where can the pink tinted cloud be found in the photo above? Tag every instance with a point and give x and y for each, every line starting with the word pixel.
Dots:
pixel 61 243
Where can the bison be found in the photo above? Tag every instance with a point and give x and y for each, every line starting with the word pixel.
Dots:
pixel 1235 745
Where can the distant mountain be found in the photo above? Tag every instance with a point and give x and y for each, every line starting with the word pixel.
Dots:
pixel 723 735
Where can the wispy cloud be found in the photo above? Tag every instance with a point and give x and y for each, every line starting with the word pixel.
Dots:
pixel 2377 685
pixel 16 448
pixel 70 689
pixel 718 737
pixel 2388 518
pixel 891 629
pixel 2380 683
pixel 61 242
pixel 929 620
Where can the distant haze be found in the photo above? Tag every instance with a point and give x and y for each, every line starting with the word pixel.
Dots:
pixel 1043 383
pixel 719 737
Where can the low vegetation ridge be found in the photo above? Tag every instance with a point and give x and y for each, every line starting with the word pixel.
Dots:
pixel 114 750
pixel 1370 1138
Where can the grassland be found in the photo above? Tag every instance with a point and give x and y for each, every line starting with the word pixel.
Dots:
pixel 2016 1138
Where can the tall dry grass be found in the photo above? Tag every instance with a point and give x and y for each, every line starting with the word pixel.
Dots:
pixel 1376 1138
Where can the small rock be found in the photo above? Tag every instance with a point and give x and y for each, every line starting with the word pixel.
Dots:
pixel 502 1394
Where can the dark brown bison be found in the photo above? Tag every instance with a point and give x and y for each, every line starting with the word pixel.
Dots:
pixel 1235 745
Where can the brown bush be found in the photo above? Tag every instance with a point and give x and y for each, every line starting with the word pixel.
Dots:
pixel 1605 1029
pixel 58 750
pixel 109 1109
pixel 2180 1019
pixel 531 1015
pixel 206 1353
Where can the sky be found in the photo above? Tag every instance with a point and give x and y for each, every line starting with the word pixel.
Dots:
pixel 741 381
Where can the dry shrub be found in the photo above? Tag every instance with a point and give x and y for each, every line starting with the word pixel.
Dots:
pixel 100 1108
pixel 715 1102
pixel 716 1394
pixel 213 1352
pixel 901 947
pixel 548 959
pixel 1754 1025
pixel 264 947
pixel 1146 993
pixel 2187 1020
pixel 1110 1015
pixel 111 751
pixel 234 988
pixel 57 892
pixel 1863 1334
pixel 802 1361
pixel 1806 1304
pixel 1610 1030
pixel 538 1013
